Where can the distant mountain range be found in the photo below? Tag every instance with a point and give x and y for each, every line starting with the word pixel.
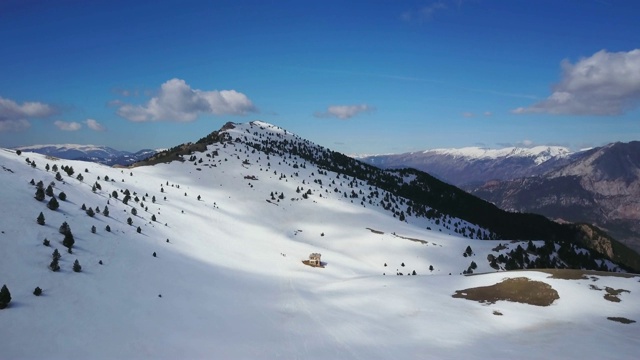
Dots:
pixel 470 166
pixel 99 154
pixel 600 186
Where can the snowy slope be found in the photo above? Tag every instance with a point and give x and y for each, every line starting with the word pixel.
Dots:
pixel 230 282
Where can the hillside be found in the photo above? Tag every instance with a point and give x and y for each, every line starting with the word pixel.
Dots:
pixel 219 271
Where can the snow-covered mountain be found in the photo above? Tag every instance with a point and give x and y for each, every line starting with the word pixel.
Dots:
pixel 203 259
pixel 94 153
pixel 601 186
pixel 474 165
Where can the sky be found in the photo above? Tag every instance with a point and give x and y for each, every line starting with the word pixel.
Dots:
pixel 359 77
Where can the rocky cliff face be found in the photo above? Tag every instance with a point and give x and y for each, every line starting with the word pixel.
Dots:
pixel 602 187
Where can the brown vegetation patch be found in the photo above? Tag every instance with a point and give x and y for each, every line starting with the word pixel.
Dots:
pixel 497 313
pixel 521 290
pixel 308 263
pixel 375 231
pixel 412 239
pixel 576 274
pixel 621 320
pixel 612 294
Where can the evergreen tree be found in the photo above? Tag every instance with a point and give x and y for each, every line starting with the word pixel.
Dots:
pixel 53 204
pixel 54 168
pixel 5 297
pixel 129 221
pixel 134 212
pixel 54 266
pixel 105 212
pixel 64 228
pixel 93 229
pixel 49 191
pixel 37 291
pixel 83 207
pixel 46 242
pixel 76 266
pixel 80 177
pixel 153 217
pixel 39 194
pixel 139 230
pixel 108 228
pixel 90 212
pixel 55 255
pixel 68 240
pixel 114 194
pixel 58 177
pixel 62 196
pixel 40 219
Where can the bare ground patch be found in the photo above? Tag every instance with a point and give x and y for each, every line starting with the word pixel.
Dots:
pixel 621 320
pixel 425 242
pixel 577 274
pixel 376 231
pixel 499 247
pixel 521 290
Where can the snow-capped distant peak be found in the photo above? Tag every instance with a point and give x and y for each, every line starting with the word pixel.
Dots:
pixel 539 153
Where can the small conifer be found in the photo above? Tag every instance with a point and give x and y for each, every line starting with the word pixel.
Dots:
pixel 76 266
pixel 40 219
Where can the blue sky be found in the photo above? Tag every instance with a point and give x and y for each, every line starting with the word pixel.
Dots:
pixel 354 76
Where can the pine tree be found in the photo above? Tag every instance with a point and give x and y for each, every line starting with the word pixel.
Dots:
pixel 107 228
pixel 62 196
pixel 40 219
pixel 134 212
pixel 37 291
pixel 49 191
pixel 129 221
pixel 58 177
pixel 153 218
pixel 76 266
pixel 139 230
pixel 54 266
pixel 39 194
pixel 90 212
pixel 5 297
pixel 93 229
pixel 46 242
pixel 83 207
pixel 53 204
pixel 64 228
pixel 80 177
pixel 68 240
pixel 105 212
pixel 55 255
pixel 54 168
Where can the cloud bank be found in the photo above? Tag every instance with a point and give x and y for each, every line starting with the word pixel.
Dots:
pixel 94 125
pixel 344 111
pixel 602 84
pixel 67 126
pixel 14 117
pixel 177 101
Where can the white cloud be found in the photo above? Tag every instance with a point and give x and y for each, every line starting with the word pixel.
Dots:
pixel 345 111
pixel 177 101
pixel 468 114
pixel 94 125
pixel 14 117
pixel 487 113
pixel 602 84
pixel 14 125
pixel 67 126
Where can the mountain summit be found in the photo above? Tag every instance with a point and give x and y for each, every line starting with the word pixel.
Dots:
pixel 201 253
